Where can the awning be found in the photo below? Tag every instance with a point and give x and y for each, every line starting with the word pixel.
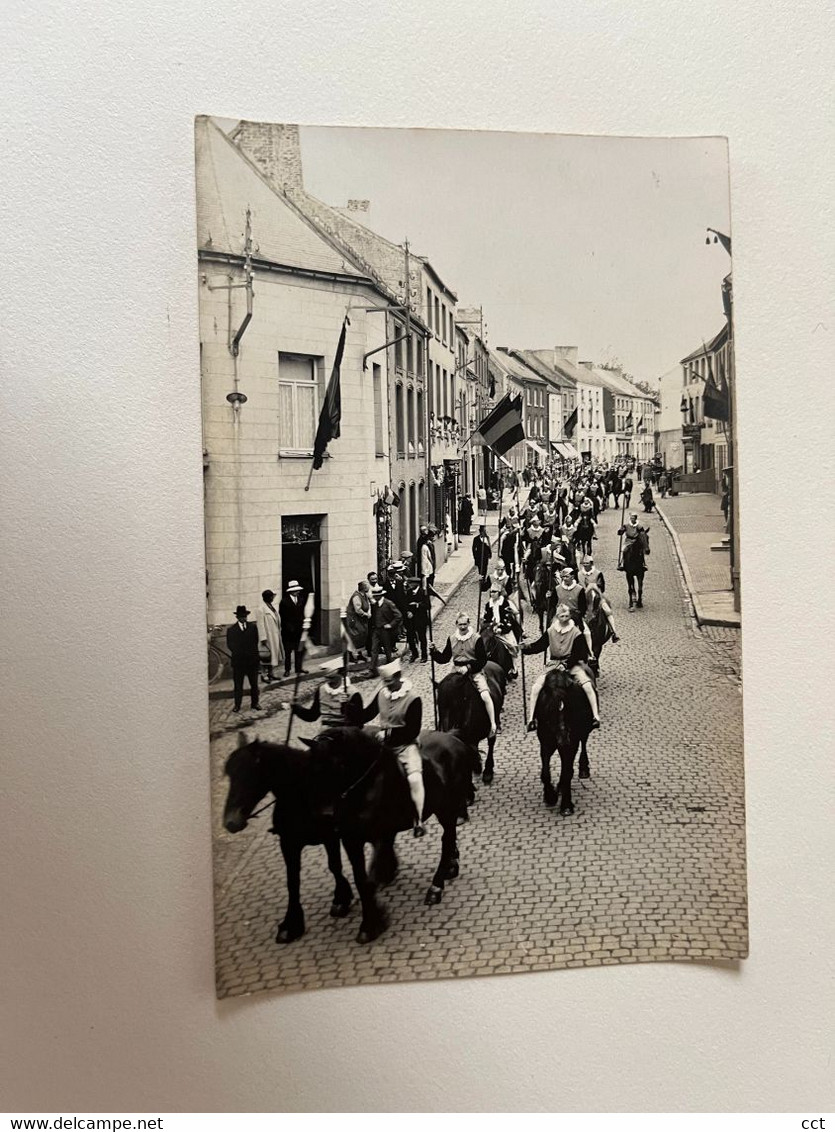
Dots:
pixel 571 452
pixel 506 463
pixel 534 447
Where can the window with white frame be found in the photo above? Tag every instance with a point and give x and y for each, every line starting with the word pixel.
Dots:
pixel 298 401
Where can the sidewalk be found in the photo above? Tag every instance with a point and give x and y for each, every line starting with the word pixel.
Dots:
pixel 696 525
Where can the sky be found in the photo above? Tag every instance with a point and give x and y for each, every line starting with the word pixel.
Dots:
pixel 563 240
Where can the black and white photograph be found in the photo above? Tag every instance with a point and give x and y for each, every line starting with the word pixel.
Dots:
pixel 473 568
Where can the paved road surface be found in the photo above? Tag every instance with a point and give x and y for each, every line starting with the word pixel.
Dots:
pixel 651 866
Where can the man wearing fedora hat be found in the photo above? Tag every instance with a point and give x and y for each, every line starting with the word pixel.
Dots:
pixel 386 622
pixel 242 641
pixel 291 616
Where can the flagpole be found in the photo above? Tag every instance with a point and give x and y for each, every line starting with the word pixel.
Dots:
pixel 428 601
pixel 522 628
pixel 620 544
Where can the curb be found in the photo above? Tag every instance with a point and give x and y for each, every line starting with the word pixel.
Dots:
pixel 702 618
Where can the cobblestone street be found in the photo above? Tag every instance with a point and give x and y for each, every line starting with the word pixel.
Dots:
pixel 651 866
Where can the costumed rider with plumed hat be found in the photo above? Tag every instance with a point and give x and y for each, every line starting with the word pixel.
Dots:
pixel 400 712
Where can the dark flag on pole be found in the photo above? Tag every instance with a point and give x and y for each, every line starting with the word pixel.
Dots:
pixel 331 413
pixel 570 425
pixel 502 428
pixel 715 400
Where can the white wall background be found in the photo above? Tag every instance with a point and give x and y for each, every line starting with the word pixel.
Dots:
pixel 106 903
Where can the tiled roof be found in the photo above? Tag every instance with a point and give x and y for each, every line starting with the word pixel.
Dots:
pixel 553 377
pixel 714 344
pixel 519 369
pixel 227 184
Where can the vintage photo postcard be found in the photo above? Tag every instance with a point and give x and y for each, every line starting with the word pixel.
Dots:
pixel 472 552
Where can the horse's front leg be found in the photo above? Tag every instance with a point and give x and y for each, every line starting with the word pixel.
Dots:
pixel 374 918
pixel 342 893
pixel 549 794
pixel 640 601
pixel 448 865
pixel 567 755
pixel 630 583
pixel 487 776
pixel 292 926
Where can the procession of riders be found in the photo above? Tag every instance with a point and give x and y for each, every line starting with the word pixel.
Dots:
pixel 543 570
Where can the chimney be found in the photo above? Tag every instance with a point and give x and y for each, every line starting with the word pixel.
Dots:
pixel 359 210
pixel 568 352
pixel 275 149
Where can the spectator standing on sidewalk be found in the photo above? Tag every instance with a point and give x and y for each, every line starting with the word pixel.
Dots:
pixel 386 621
pixel 482 551
pixel 358 619
pixel 242 642
pixel 269 632
pixel 425 550
pixel 291 616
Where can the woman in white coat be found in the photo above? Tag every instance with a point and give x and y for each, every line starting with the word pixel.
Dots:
pixel 269 631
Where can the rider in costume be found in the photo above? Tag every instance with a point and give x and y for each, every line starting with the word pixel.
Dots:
pixel 400 712
pixel 330 699
pixel 465 649
pixel 567 648
pixel 590 577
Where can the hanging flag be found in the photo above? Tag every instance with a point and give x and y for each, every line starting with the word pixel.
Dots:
pixel 502 428
pixel 641 425
pixel 331 414
pixel 570 425
pixel 714 400
pixel 628 422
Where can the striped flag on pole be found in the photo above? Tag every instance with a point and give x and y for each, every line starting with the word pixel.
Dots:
pixel 502 428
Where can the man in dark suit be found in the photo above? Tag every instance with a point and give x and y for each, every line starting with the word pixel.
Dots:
pixel 482 551
pixel 291 616
pixel 396 587
pixel 242 641
pixel 386 621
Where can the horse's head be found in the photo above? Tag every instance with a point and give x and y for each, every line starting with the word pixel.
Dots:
pixel 248 769
pixel 593 599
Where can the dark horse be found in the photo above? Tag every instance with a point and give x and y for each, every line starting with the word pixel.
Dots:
pixel 460 709
pixel 347 787
pixel 563 724
pixel 598 623
pixel 494 646
pixel 584 534
pixel 635 553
